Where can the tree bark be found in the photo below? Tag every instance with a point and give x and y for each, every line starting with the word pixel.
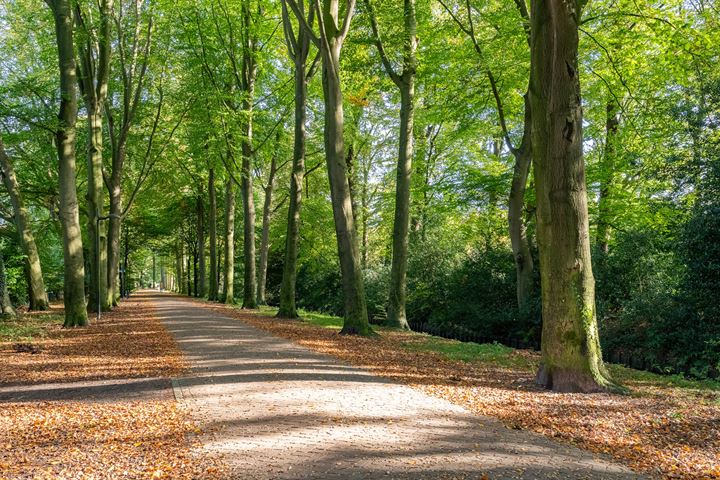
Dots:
pixel 201 245
pixel 133 66
pixel 250 278
pixel 37 295
pixel 571 357
pixel 74 265
pixel 356 318
pixel 229 277
pixel 93 83
pixel 522 256
pixel 6 308
pixel 189 273
pixel 299 48
pixel 114 227
pixel 405 81
pixel 523 155
pixel 212 221
pixel 178 267
pixel 249 75
pixel 607 175
pixel 265 240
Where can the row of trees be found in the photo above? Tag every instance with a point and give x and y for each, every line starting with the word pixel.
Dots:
pixel 428 144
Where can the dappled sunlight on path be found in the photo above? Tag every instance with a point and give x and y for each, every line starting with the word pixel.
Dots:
pixel 279 410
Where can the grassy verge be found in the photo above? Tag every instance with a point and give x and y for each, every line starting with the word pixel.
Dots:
pixel 28 327
pixel 503 356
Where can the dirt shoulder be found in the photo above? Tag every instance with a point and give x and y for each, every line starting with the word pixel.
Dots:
pixel 96 402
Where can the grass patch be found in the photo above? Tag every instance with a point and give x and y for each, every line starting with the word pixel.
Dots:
pixel 504 356
pixel 494 353
pixel 314 318
pixel 322 319
pixel 641 377
pixel 27 327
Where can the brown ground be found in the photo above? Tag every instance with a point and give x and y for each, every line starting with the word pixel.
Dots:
pixel 112 432
pixel 665 431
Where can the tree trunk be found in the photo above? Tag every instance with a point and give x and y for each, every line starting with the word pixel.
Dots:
pixel 201 245
pixel 288 308
pixel 96 232
pixel 178 267
pixel 265 241
pixel 74 265
pixel 36 286
pixel 571 358
pixel 250 279
pixel 93 83
pixel 405 82
pixel 396 316
pixel 113 236
pixel 249 75
pixel 6 308
pixel 522 256
pixel 356 318
pixel 229 277
pixel 189 278
pixel 213 292
pixel 607 176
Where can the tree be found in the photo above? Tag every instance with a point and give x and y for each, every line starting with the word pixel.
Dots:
pixel 94 72
pixel 405 81
pixel 298 46
pixel 133 53
pixel 332 33
pixel 74 269
pixel 6 308
pixel 522 153
pixel 268 189
pixel 36 286
pixel 200 227
pixel 212 227
pixel 571 357
pixel 247 80
pixel 229 272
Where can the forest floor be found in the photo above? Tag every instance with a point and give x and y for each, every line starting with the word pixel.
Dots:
pixel 94 402
pixel 667 426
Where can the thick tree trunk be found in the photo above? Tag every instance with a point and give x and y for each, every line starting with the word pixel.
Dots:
pixel 212 221
pixel 113 234
pixel 74 265
pixel 524 265
pixel 356 318
pixel 6 308
pixel 571 358
pixel 249 75
pixel 38 299
pixel 189 277
pixel 229 277
pixel 94 69
pixel 178 267
pixel 250 278
pixel 405 82
pixel 96 236
pixel 265 240
pixel 288 308
pixel 396 316
pixel 607 176
pixel 201 245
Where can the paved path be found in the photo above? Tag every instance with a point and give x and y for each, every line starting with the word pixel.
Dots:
pixel 274 409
